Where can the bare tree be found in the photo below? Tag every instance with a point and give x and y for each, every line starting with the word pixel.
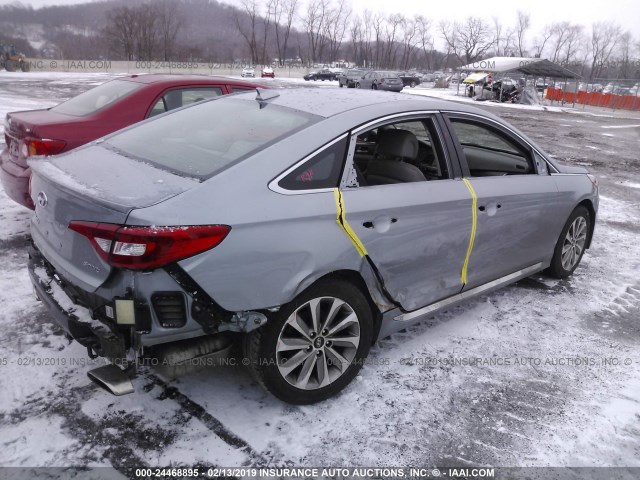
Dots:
pixel 121 30
pixel 338 20
pixel 522 25
pixel 146 25
pixel 469 40
pixel 423 26
pixel 170 21
pixel 314 23
pixel 625 52
pixel 247 26
pixel 394 22
pixel 605 36
pixel 409 41
pixel 266 25
pixel 284 12
pixel 541 42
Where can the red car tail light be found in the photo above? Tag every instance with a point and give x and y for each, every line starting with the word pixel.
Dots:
pixel 41 146
pixel 144 248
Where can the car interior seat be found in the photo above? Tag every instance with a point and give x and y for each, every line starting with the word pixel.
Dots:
pixel 396 151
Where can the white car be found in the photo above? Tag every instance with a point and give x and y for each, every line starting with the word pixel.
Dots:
pixel 248 72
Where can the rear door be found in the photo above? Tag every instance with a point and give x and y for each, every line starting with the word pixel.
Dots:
pixel 517 198
pixel 416 233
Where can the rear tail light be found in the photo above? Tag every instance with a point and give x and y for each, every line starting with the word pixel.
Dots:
pixel 144 248
pixel 41 146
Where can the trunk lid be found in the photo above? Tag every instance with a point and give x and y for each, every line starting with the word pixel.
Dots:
pixel 19 125
pixel 96 185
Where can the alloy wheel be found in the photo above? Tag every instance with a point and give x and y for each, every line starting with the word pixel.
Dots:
pixel 317 343
pixel 574 242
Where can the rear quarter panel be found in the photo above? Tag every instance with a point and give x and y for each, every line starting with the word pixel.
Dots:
pixel 279 244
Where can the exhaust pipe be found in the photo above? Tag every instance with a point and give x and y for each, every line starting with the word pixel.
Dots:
pixel 113 379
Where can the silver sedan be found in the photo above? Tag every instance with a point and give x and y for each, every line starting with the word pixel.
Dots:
pixel 302 223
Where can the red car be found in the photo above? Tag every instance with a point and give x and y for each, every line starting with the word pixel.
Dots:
pixel 95 113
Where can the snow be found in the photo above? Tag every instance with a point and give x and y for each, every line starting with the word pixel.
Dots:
pixel 544 391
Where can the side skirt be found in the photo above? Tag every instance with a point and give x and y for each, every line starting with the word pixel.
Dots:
pixel 396 320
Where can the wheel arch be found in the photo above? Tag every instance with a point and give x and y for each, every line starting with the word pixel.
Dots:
pixel 588 204
pixel 355 278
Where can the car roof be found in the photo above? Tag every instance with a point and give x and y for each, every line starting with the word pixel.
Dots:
pixel 328 103
pixel 170 79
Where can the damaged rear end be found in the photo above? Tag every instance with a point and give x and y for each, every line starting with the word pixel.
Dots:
pixel 113 287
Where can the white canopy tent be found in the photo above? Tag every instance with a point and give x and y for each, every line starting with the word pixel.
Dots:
pixel 537 67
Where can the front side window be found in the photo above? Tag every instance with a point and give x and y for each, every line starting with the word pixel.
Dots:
pixel 97 98
pixel 206 138
pixel 489 152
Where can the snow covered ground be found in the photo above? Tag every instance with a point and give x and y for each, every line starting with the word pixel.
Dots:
pixel 542 373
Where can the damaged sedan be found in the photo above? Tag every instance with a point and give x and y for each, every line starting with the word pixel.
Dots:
pixel 305 226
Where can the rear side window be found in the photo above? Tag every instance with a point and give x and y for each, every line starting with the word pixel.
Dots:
pixel 204 139
pixel 183 96
pixel 322 171
pixel 96 98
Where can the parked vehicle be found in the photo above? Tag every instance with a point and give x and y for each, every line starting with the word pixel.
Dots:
pixel 324 74
pixel 11 60
pixel 268 72
pixel 248 72
pixel 380 80
pixel 94 113
pixel 409 79
pixel 120 230
pixel 349 78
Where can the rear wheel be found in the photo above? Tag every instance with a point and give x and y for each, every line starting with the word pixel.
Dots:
pixel 314 346
pixel 25 67
pixel 341 85
pixel 11 65
pixel 412 84
pixel 357 85
pixel 571 244
pixel 374 86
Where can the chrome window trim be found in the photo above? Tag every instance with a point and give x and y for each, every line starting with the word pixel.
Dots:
pixel 273 184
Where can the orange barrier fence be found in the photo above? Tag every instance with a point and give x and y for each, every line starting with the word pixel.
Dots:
pixel 608 100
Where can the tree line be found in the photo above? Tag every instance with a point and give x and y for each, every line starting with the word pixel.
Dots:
pixel 311 32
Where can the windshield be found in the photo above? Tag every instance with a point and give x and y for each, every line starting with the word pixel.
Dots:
pixel 96 98
pixel 201 140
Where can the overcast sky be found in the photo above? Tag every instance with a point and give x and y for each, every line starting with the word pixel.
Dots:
pixel 624 12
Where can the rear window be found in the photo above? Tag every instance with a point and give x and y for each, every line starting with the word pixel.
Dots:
pixel 201 140
pixel 96 98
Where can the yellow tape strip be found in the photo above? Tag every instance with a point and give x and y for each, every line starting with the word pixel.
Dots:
pixel 344 225
pixel 474 224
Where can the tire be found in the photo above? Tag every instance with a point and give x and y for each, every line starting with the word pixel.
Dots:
pixel 350 317
pixel 412 84
pixel 25 66
pixel 571 244
pixel 341 85
pixel 374 86
pixel 11 65
pixel 357 85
